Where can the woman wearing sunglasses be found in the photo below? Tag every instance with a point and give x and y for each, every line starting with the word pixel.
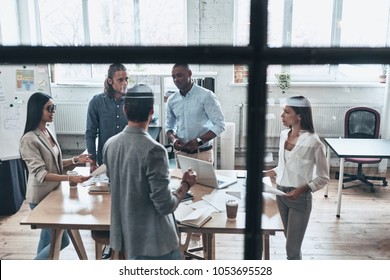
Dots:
pixel 42 155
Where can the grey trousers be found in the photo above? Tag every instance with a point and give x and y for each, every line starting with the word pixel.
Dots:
pixel 295 214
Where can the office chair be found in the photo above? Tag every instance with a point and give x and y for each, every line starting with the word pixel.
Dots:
pixel 155 131
pixel 362 122
pixel 171 155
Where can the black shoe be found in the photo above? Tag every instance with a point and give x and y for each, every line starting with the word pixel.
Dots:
pixel 107 251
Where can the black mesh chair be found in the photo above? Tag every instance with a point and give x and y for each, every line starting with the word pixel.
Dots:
pixel 155 131
pixel 362 122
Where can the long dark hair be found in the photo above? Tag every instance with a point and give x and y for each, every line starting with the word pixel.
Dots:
pixel 301 106
pixel 108 89
pixel 34 110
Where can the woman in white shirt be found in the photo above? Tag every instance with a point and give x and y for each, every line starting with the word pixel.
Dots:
pixel 302 169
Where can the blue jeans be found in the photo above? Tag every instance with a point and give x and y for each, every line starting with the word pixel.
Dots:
pixel 43 250
pixel 173 255
pixel 295 214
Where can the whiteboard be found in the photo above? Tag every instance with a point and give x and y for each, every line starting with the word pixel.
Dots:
pixel 17 84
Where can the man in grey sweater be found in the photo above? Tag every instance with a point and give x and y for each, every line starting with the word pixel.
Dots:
pixel 142 223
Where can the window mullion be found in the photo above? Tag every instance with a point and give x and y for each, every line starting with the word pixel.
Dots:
pixel 137 23
pixel 287 28
pixel 287 23
pixel 87 35
pixel 337 17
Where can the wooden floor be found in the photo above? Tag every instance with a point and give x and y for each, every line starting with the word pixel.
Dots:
pixel 361 233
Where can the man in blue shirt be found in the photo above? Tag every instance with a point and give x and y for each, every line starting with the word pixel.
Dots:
pixel 105 118
pixel 193 116
pixel 193 119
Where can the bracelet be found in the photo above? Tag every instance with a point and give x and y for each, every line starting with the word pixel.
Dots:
pixel 73 161
pixel 188 184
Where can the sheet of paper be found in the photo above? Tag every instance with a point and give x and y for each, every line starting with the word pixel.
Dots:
pixel 272 190
pixel 234 193
pixel 218 198
pixel 197 213
pixel 102 178
pixel 267 181
pixel 100 170
pixel 198 204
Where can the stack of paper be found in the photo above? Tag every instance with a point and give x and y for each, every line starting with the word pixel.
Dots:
pixel 99 187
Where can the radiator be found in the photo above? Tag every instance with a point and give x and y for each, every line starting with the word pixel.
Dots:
pixel 70 118
pixel 328 119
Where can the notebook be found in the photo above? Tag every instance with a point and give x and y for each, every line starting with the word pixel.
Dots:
pixel 99 187
pixel 205 172
pixel 186 215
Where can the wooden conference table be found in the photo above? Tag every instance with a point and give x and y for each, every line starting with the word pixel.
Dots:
pixel 74 209
pixel 358 148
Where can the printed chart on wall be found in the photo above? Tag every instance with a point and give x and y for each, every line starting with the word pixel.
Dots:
pixel 17 84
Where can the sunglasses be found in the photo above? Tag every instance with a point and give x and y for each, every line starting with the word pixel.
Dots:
pixel 51 108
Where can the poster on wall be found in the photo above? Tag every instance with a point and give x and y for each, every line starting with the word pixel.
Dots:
pixel 24 80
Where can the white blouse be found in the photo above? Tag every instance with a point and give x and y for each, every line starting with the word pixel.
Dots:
pixel 305 164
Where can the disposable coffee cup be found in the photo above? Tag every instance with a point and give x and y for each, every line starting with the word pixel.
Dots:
pixel 72 173
pixel 231 209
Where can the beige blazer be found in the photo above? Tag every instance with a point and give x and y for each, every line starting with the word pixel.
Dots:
pixel 40 158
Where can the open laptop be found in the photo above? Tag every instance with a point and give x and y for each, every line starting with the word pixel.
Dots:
pixel 205 172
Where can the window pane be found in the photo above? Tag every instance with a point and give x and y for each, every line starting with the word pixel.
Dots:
pixel 364 23
pixel 61 23
pixel 71 72
pixel 146 22
pixel 111 22
pixel 311 23
pixel 9 25
pixel 361 72
pixel 275 23
pixel 162 22
pixel 242 18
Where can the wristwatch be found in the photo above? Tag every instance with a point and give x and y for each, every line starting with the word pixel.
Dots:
pixel 200 142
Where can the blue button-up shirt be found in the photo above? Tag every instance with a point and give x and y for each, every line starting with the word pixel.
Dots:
pixel 193 115
pixel 105 118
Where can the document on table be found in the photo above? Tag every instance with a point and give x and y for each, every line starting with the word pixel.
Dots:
pixel 218 198
pixel 98 176
pixel 102 178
